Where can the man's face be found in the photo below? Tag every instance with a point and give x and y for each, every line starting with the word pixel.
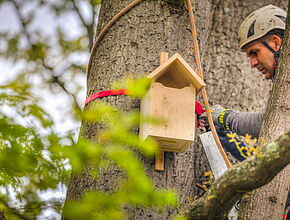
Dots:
pixel 261 58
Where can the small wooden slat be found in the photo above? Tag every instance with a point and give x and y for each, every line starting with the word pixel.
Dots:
pixel 163 57
pixel 159 159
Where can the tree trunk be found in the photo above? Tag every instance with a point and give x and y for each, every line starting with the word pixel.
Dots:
pixel 268 202
pixel 133 45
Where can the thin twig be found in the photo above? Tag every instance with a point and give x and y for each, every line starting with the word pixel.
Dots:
pixel 13 210
pixel 21 19
pixel 54 76
pixel 89 27
pixel 61 85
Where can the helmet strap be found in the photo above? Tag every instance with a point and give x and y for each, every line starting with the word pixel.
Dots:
pixel 276 56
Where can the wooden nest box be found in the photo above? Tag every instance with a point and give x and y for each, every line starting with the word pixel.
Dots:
pixel 171 98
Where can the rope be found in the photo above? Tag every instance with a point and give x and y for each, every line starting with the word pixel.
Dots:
pixel 204 96
pixel 106 28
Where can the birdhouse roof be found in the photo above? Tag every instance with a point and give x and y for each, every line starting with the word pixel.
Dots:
pixel 177 70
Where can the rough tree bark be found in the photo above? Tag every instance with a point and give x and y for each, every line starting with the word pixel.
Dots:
pixel 132 46
pixel 261 203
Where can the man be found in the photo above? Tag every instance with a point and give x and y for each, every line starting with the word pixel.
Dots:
pixel 260 35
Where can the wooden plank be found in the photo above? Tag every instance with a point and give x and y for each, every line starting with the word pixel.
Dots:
pixel 172 144
pixel 177 108
pixel 144 112
pixel 163 57
pixel 159 159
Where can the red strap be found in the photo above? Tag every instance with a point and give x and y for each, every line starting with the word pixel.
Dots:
pixel 198 106
pixel 106 93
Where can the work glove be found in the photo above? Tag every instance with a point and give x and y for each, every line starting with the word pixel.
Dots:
pixel 219 115
pixel 215 112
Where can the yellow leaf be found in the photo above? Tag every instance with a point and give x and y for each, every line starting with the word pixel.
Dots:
pixel 207 173
pixel 248 137
pixel 210 197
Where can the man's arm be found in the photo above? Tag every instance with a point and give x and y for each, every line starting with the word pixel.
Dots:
pixel 231 146
pixel 245 123
pixel 240 123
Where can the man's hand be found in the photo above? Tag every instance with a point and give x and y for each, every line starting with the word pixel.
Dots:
pixel 215 112
pixel 219 116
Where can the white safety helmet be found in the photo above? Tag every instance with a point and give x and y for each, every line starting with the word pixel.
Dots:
pixel 260 22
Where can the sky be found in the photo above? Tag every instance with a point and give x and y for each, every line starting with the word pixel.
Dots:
pixel 51 103
pixel 54 105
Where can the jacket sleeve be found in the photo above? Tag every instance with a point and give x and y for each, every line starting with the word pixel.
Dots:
pixel 245 123
pixel 230 146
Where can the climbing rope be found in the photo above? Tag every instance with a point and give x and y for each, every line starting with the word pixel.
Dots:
pixel 197 59
pixel 204 96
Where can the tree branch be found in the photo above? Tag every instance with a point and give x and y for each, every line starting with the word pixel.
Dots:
pixel 54 76
pixel 13 210
pixel 242 178
pixel 55 79
pixel 89 27
pixel 21 19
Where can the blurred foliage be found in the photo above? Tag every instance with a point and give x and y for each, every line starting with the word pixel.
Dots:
pixel 46 43
pixel 33 158
pixel 28 166
pixel 50 44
